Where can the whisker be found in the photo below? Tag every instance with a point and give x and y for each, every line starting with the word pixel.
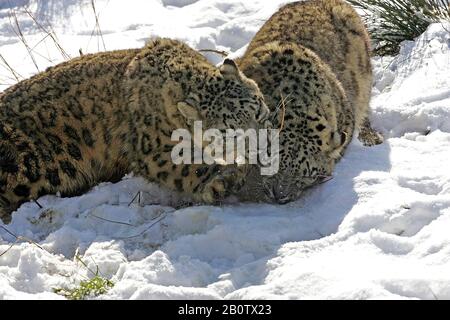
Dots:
pixel 283 104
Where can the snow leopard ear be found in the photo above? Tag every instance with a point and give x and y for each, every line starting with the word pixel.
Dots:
pixel 342 139
pixel 230 70
pixel 339 140
pixel 188 111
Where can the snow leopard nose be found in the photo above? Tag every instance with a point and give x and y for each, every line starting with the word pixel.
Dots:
pixel 280 194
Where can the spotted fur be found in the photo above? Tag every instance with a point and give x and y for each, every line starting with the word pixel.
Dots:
pixel 316 55
pixel 100 116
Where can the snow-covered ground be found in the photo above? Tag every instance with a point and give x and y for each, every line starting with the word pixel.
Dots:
pixel 379 230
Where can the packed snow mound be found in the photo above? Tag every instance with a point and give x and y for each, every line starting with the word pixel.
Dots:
pixel 378 230
pixel 417 78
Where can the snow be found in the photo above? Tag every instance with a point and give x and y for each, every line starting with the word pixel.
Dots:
pixel 378 230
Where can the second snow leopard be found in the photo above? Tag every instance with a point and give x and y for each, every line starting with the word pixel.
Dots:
pixel 312 63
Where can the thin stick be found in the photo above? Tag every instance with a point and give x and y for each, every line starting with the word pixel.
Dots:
pixel 51 34
pixel 8 66
pixel 22 38
pixel 31 242
pixel 283 112
pixel 98 272
pixel 222 53
pixel 137 194
pixel 113 221
pixel 39 205
pixel 164 215
pixel 9 232
pixel 10 247
pixel 21 238
pixel 97 23
pixel 39 42
pixel 77 257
